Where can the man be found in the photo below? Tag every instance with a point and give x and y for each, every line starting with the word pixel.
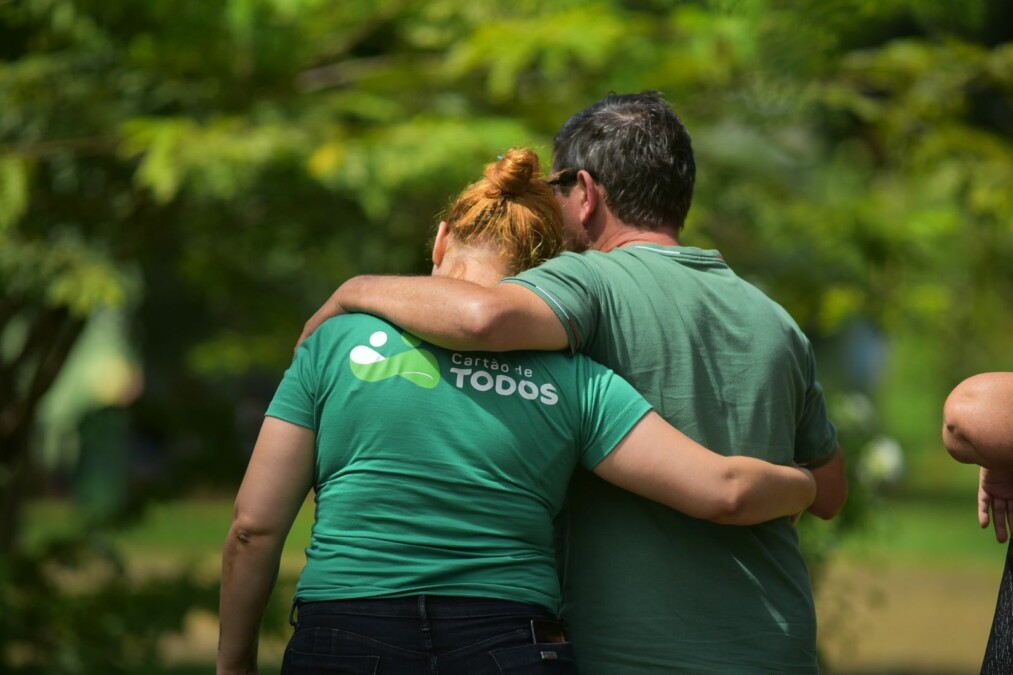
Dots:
pixel 647 591
pixel 978 429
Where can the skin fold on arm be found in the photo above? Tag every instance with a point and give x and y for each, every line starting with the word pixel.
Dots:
pixel 277 481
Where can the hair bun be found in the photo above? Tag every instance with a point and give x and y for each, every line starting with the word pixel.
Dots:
pixel 512 174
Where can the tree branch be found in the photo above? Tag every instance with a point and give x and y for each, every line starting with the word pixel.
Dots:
pixel 340 74
pixel 77 146
pixel 51 337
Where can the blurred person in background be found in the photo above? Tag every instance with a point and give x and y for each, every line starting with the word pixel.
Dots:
pixel 648 589
pixel 437 475
pixel 978 429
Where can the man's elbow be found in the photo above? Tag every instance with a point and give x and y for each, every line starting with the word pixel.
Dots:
pixel 483 324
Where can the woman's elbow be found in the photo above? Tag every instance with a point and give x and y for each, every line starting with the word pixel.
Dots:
pixel 730 506
pixel 248 529
pixel 731 512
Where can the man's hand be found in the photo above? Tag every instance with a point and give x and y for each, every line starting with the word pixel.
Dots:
pixel 331 308
pixel 995 501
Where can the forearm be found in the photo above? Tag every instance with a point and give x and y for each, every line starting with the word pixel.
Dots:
pixel 448 312
pixel 452 313
pixel 759 491
pixel 659 462
pixel 249 570
pixel 831 486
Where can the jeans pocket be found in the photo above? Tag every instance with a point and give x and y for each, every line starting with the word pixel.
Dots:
pixel 323 651
pixel 534 659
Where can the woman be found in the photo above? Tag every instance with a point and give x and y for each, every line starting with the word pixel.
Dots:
pixel 437 475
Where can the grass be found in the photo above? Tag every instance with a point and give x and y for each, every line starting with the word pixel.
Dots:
pixel 928 531
pixel 938 531
pixel 188 532
pixel 920 545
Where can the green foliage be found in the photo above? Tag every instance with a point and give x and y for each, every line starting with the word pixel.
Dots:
pixel 71 607
pixel 63 272
pixel 216 169
pixel 13 191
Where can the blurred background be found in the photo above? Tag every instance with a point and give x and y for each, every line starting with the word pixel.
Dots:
pixel 183 183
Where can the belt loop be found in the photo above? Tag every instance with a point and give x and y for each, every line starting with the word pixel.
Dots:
pixel 292 620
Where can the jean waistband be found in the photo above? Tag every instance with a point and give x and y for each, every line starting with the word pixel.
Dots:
pixel 422 606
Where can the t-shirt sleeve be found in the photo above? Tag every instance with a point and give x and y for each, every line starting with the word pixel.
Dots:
pixel 568 284
pixel 295 399
pixel 815 436
pixel 610 408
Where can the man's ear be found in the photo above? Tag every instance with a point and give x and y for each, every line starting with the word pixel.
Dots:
pixel 440 245
pixel 587 196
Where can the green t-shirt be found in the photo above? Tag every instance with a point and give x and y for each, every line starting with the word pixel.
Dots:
pixel 647 589
pixel 439 472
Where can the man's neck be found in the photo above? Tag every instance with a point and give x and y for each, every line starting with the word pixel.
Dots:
pixel 626 235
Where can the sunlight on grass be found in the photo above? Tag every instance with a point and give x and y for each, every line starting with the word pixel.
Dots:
pixel 928 533
pixel 188 532
pixel 916 547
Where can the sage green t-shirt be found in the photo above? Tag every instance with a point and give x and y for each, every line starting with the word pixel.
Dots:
pixel 440 472
pixel 647 589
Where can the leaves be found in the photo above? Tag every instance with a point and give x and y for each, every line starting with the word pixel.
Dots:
pixel 549 45
pixel 219 168
pixel 65 272
pixel 14 179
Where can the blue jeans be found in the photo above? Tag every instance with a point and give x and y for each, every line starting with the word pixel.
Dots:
pixel 422 634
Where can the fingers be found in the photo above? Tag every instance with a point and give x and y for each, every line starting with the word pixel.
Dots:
pixel 1001 518
pixel 984 505
pixel 329 309
pixel 995 503
pixel 307 330
pixel 314 322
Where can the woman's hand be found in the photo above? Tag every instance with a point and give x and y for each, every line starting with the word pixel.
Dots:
pixel 995 501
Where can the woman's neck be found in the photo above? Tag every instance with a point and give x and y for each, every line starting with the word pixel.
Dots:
pixel 475 264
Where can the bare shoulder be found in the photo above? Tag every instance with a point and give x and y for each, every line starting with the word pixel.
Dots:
pixel 984 393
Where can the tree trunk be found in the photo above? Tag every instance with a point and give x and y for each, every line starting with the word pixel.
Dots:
pixel 12 489
pixel 24 380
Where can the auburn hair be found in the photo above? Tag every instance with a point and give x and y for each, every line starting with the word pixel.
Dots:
pixel 512 209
